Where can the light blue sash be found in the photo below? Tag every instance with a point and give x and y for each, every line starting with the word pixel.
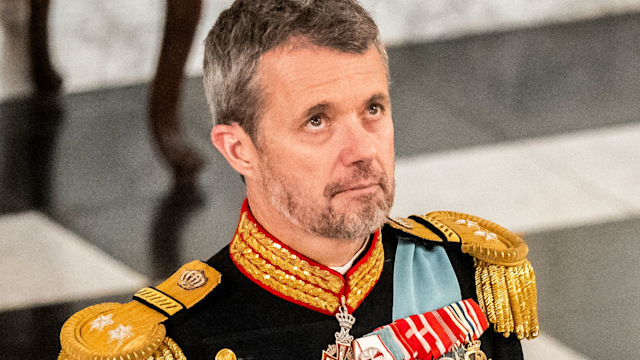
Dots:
pixel 423 279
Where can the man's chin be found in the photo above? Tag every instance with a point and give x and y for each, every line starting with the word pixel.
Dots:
pixel 359 226
pixel 363 213
pixel 358 204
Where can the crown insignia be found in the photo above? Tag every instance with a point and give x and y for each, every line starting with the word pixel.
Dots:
pixel 192 279
pixel 342 349
pixel 345 319
pixel 473 351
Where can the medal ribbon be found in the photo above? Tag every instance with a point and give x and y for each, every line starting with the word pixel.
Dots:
pixel 425 336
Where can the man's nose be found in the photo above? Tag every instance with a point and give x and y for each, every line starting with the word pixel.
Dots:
pixel 358 142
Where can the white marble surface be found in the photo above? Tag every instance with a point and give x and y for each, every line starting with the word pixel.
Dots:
pixel 415 20
pixel 605 161
pixel 44 263
pixel 108 43
pixel 547 348
pixel 532 185
pixel 100 43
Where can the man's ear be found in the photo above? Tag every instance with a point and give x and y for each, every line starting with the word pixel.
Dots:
pixel 236 146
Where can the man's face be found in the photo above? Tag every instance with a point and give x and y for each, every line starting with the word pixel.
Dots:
pixel 325 139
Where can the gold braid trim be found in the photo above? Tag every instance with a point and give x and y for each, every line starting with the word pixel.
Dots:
pixel 276 279
pixel 363 279
pixel 284 259
pixel 282 271
pixel 505 280
pixel 168 350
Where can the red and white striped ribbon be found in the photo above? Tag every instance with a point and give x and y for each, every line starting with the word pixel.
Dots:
pixel 426 336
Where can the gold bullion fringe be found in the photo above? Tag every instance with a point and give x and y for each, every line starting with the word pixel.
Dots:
pixel 507 295
pixel 168 350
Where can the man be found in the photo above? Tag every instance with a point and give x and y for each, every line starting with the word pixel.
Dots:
pixel 299 92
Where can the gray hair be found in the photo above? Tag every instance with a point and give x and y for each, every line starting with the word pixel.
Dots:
pixel 250 28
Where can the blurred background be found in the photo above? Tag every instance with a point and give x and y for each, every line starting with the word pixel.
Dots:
pixel 524 112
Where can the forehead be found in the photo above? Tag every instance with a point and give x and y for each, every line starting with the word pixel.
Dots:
pixel 302 75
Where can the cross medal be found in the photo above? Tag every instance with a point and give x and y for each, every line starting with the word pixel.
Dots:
pixel 342 349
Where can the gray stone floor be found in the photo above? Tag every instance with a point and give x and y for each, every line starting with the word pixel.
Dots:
pixel 588 281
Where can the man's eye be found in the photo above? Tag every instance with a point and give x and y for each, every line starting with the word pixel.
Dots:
pixel 315 121
pixel 374 109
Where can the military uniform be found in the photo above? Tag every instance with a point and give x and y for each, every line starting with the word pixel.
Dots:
pixel 273 303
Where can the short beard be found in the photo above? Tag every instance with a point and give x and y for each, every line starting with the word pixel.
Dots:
pixel 321 218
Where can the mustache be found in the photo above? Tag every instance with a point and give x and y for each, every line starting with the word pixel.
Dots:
pixel 362 174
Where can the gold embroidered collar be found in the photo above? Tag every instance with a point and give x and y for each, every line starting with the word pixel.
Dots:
pixel 291 276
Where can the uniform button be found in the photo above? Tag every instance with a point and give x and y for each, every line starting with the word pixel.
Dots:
pixel 226 354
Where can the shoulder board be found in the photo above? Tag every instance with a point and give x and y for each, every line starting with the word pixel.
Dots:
pixel 505 280
pixel 134 330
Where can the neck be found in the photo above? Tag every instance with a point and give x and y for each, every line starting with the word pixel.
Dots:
pixel 326 251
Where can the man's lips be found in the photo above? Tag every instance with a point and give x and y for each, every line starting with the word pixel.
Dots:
pixel 363 183
pixel 359 187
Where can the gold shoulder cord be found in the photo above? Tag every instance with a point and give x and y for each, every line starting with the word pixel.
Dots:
pixel 113 331
pixel 505 280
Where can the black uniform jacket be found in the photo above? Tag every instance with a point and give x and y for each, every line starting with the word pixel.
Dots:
pixel 255 324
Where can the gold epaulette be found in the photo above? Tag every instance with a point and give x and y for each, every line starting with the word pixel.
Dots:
pixel 134 330
pixel 505 281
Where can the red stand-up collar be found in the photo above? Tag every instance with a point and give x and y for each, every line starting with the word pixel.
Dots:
pixel 285 273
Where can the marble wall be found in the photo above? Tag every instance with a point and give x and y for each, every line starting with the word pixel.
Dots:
pixel 416 20
pixel 98 43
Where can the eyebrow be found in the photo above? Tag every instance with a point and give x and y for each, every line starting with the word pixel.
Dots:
pixel 379 97
pixel 316 109
pixel 323 106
